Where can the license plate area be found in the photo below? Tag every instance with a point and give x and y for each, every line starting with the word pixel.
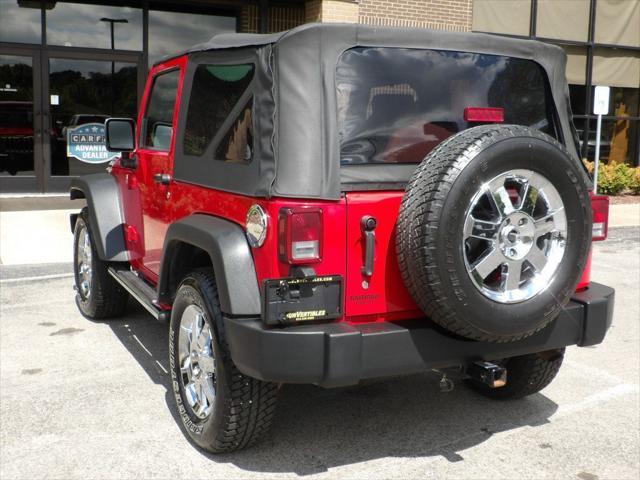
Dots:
pixel 295 300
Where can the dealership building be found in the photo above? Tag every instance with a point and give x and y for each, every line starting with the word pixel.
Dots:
pixel 65 64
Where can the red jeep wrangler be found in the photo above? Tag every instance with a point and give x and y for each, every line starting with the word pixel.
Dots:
pixel 341 202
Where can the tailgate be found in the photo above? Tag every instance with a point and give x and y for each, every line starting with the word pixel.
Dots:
pixel 381 295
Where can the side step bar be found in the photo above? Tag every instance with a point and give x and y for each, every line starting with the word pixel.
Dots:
pixel 141 291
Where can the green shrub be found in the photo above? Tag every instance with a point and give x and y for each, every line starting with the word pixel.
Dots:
pixel 634 185
pixel 614 179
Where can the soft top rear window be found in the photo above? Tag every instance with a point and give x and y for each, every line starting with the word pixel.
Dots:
pixel 396 104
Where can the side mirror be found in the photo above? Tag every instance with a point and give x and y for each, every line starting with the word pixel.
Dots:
pixel 120 137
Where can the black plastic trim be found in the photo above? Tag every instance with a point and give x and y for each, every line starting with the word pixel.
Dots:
pixel 227 246
pixel 105 213
pixel 340 354
pixel 597 301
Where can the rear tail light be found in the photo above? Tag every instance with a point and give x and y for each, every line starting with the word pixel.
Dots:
pixel 300 235
pixel 600 206
pixel 484 114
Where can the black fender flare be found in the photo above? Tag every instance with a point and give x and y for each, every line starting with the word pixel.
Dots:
pixel 105 213
pixel 227 246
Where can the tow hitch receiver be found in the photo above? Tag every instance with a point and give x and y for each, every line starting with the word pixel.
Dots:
pixel 490 374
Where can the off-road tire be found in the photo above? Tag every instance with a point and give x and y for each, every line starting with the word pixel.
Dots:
pixel 526 375
pixel 107 299
pixel 244 407
pixel 431 220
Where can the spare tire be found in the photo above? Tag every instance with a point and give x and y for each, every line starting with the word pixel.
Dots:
pixel 494 232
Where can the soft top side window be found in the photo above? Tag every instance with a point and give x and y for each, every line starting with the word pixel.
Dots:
pixel 220 113
pixel 157 123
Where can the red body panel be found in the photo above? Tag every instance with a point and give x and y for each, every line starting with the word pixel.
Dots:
pixel 16 132
pixel 382 293
pixel 148 204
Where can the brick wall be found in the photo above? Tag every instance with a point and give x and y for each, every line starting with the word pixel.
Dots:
pixel 438 14
pixel 342 11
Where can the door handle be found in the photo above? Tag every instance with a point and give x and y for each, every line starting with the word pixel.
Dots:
pixel 368 225
pixel 162 178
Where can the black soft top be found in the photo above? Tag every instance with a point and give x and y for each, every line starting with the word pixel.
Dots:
pixel 296 144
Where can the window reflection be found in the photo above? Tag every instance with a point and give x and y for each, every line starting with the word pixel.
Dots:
pixel 74 25
pixel 16 116
pixel 619 142
pixel 85 92
pixel 620 138
pixel 165 39
pixel 19 23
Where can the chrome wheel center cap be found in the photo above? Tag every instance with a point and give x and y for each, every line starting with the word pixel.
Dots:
pixel 516 234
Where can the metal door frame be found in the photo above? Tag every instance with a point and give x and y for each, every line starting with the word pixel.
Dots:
pixel 35 183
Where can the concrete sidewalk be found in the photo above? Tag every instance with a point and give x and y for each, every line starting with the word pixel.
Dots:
pixel 37 236
pixel 44 236
pixel 624 215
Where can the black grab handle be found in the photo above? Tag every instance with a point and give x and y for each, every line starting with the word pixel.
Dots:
pixel 368 225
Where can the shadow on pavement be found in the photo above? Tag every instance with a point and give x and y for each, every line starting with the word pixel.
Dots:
pixel 316 429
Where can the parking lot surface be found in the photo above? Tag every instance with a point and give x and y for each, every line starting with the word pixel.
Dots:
pixel 83 399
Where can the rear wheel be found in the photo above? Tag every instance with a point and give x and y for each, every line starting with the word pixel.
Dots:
pixel 99 295
pixel 221 409
pixel 494 232
pixel 526 375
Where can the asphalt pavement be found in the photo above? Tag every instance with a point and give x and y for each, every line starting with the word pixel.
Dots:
pixel 82 399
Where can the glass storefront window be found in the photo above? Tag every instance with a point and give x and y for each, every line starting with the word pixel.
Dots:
pixel 165 39
pixel 623 102
pixel 85 92
pixel 76 25
pixel 16 116
pixel 619 142
pixel 578 97
pixel 19 23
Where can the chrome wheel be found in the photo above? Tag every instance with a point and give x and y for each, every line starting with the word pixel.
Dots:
pixel 197 361
pixel 83 263
pixel 515 235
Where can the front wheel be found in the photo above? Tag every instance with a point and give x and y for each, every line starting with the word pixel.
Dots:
pixel 221 409
pixel 99 295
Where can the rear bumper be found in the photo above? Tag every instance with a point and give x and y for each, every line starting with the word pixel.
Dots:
pixel 339 354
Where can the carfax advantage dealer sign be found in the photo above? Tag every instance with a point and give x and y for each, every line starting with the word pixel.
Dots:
pixel 86 143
